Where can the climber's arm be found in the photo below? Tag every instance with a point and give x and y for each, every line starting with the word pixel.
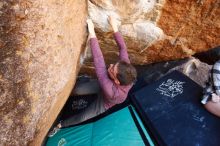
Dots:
pixel 123 54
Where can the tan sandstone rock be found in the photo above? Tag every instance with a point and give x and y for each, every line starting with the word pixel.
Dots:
pixel 40 45
pixel 156 30
pixel 41 41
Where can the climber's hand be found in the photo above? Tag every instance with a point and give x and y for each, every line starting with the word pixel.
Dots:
pixel 91 28
pixel 215 98
pixel 113 22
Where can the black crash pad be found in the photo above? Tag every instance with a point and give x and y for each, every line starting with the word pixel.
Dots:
pixel 77 104
pixel 171 109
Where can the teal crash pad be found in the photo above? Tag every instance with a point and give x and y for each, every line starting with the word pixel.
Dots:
pixel 116 129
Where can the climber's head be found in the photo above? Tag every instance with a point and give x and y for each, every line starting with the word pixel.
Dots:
pixel 122 73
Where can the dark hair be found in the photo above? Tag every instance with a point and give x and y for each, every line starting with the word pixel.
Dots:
pixel 126 73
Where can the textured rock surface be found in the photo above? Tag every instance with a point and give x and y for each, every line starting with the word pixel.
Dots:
pixel 41 41
pixel 196 70
pixel 39 54
pixel 192 67
pixel 157 30
pixel 210 56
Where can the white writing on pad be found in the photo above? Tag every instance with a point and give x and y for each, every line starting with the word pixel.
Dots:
pixel 171 88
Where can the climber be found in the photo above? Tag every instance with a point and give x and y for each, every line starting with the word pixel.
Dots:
pixel 211 97
pixel 115 82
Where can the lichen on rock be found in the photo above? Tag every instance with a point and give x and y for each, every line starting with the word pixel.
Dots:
pixel 39 54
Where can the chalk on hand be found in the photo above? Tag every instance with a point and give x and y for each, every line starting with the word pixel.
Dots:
pixel 205 100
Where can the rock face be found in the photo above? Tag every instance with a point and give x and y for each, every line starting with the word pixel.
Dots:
pixel 210 56
pixel 40 45
pixel 196 70
pixel 191 67
pixel 41 42
pixel 157 30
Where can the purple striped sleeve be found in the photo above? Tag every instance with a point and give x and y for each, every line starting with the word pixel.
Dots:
pixel 122 47
pixel 100 68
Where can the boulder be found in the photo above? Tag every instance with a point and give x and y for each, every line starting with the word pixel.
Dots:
pixel 195 69
pixel 40 45
pixel 191 67
pixel 156 30
pixel 210 56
